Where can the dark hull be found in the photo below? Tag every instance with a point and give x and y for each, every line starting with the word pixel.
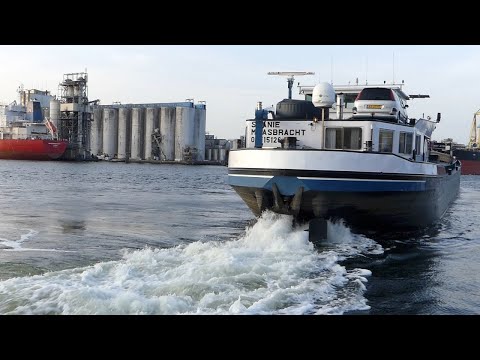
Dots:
pixel 393 210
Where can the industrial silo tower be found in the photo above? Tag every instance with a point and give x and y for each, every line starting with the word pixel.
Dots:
pixel 75 115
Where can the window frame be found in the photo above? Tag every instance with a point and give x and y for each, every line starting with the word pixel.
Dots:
pixel 418 143
pixel 380 131
pixel 342 137
pixel 402 149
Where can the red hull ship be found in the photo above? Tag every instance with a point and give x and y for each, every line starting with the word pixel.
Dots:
pixel 32 149
pixel 470 155
pixel 25 132
pixel 470 159
pixel 470 167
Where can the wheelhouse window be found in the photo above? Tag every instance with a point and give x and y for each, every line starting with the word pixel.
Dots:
pixel 333 138
pixel 426 149
pixel 418 139
pixel 385 141
pixel 352 138
pixel 343 138
pixel 405 143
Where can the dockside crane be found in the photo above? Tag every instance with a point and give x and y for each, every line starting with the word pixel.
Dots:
pixel 473 142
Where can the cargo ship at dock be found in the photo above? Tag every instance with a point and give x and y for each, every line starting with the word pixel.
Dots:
pixel 26 133
pixel 468 154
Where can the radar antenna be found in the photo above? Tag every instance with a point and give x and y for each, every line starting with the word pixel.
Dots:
pixel 290 77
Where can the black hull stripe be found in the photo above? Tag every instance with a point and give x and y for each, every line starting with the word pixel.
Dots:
pixel 327 174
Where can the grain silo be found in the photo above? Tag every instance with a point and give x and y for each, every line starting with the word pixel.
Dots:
pixel 123 133
pixel 167 131
pixel 110 132
pixel 151 123
pixel 199 131
pixel 96 133
pixel 184 131
pixel 137 138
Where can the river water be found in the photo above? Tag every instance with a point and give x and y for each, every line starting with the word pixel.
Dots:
pixel 115 238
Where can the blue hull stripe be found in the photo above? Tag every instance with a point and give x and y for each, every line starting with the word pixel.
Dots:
pixel 287 185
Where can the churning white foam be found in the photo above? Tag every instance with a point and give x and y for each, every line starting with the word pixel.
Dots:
pixel 272 269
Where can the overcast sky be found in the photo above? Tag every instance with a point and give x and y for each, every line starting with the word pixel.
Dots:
pixel 231 79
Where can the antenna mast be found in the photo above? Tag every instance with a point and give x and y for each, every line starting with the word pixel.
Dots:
pixel 393 70
pixel 366 72
pixel 290 77
pixel 331 70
